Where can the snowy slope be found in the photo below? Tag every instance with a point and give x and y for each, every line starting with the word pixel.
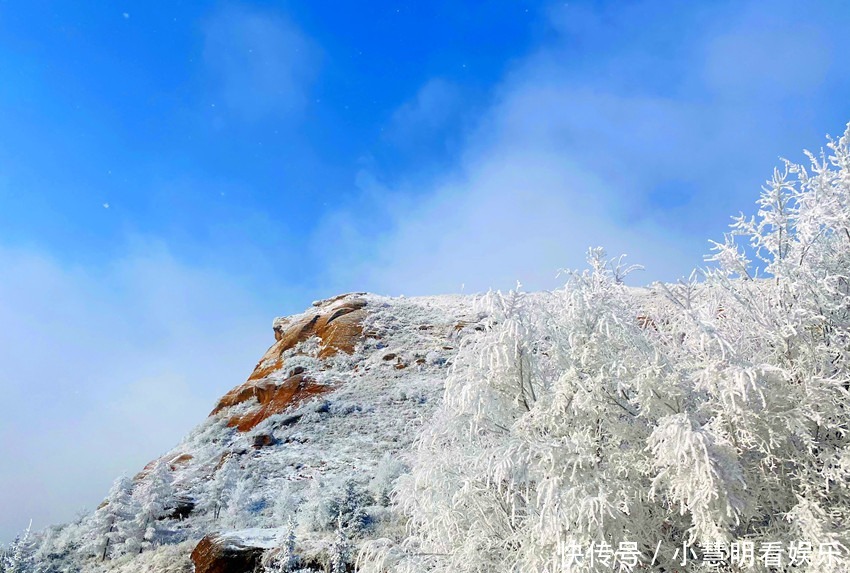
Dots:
pixel 330 454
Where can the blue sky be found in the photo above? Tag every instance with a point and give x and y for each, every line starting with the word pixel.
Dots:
pixel 174 175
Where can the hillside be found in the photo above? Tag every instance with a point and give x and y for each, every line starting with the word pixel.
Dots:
pixel 324 420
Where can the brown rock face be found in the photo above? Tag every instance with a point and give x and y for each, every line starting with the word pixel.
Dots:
pixel 275 398
pixel 337 323
pixel 212 555
pixel 338 326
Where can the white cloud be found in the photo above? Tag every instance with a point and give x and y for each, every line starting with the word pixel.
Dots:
pixel 767 56
pixel 513 214
pixel 105 368
pixel 261 63
pixel 639 149
pixel 432 108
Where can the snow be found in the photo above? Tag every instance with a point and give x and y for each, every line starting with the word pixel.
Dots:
pixel 252 537
pixel 359 433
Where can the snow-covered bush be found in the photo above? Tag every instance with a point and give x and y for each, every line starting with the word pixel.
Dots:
pixel 600 426
pixel 326 507
pixel 388 471
pixel 286 503
pixel 172 558
pixel 246 502
pixel 304 362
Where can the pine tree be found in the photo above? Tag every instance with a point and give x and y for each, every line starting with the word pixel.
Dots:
pixel 339 553
pixel 18 557
pixel 221 489
pixel 155 497
pixel 349 507
pixel 284 559
pixel 108 524
pixel 127 537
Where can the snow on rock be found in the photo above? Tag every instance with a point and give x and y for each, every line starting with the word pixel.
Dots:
pixel 234 551
pixel 338 326
pixel 264 538
pixel 226 554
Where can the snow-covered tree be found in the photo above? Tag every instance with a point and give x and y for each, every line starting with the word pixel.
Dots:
pixel 244 502
pixel 283 557
pixel 672 420
pixel 58 546
pixel 286 503
pixel 223 484
pixel 18 557
pixel 155 498
pixel 340 550
pixel 109 524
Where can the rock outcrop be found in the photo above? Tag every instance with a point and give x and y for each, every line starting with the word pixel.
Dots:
pixel 338 325
pixel 226 554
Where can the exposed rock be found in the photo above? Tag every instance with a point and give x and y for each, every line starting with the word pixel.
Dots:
pixel 338 326
pixel 218 554
pixel 182 508
pixel 263 441
pixel 274 399
pixel 372 334
pixel 180 460
pixel 339 329
pixel 342 331
pixel 244 552
pixel 460 325
pixel 173 464
pixel 223 459
pixel 289 420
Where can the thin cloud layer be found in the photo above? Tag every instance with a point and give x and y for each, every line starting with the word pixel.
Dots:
pixel 427 114
pixel 647 152
pixel 103 369
pixel 260 62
